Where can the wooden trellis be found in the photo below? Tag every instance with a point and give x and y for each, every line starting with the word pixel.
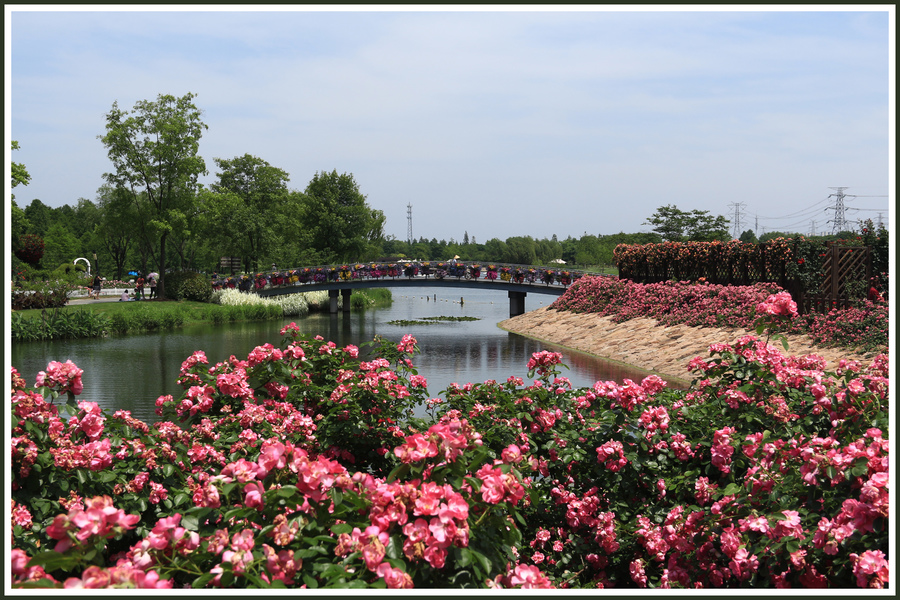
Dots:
pixel 843 267
pixel 846 271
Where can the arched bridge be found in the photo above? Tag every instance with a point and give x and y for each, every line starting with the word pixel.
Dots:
pixel 516 280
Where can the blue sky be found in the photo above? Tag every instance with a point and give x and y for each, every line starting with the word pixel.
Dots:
pixel 517 121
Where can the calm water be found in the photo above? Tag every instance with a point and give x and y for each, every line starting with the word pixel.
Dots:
pixel 131 372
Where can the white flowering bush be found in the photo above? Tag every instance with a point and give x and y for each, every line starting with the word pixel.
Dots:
pixel 292 305
pixel 234 297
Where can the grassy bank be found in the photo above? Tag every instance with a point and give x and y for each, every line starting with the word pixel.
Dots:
pixel 122 318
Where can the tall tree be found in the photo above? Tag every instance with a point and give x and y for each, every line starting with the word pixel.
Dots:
pixel 342 226
pixel 61 247
pixel 115 231
pixel 154 150
pixel 262 190
pixel 39 215
pixel 675 225
pixel 19 173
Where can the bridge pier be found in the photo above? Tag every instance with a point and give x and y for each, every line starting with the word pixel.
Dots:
pixel 516 303
pixel 333 300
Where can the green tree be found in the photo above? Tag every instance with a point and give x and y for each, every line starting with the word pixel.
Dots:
pixel 40 216
pixel 60 246
pixel 675 225
pixel 588 251
pixel 115 230
pixel 262 190
pixel 748 237
pixel 19 173
pixel 494 250
pixel 772 235
pixel 520 250
pixel 154 151
pixel 18 224
pixel 340 223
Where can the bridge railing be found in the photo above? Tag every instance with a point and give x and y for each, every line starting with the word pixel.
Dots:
pixel 468 270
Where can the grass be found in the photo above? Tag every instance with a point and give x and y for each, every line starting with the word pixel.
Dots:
pixel 193 312
pixel 95 319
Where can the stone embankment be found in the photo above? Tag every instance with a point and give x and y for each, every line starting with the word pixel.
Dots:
pixel 641 343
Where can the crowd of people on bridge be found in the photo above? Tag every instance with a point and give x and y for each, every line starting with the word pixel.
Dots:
pixel 349 272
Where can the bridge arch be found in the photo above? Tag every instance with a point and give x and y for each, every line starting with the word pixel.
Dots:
pixel 516 292
pixel 517 280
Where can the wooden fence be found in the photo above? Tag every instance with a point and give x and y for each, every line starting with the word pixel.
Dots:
pixel 846 272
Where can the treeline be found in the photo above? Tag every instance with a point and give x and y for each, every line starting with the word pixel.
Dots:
pixel 329 221
pixel 289 228
pixel 587 250
pixel 283 232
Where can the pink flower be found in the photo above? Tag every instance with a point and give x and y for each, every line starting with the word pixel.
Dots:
pixel 529 577
pixel 778 305
pixel 407 344
pixel 253 497
pixel 62 377
pixel 870 568
pixel 394 578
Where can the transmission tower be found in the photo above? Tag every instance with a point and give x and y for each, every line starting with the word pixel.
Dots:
pixel 839 209
pixel 409 237
pixel 737 218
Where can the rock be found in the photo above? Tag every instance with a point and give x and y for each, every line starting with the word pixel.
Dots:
pixel 641 343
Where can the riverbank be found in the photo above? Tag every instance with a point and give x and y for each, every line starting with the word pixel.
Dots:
pixel 641 343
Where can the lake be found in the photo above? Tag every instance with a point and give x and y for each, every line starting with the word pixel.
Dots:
pixel 131 372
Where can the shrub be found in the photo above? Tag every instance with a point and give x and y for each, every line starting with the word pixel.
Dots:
pixel 865 328
pixel 303 466
pixel 49 294
pixel 57 324
pixel 293 305
pixel 188 285
pixel 31 249
pixel 708 305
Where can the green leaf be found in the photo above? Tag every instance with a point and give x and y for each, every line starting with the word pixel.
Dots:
pixel 731 489
pixel 192 518
pixel 339 528
pixel 465 557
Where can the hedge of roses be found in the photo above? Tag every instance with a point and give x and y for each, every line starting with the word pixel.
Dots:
pixel 864 327
pixel 798 260
pixel 302 465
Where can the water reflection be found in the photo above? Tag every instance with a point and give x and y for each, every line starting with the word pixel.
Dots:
pixel 131 372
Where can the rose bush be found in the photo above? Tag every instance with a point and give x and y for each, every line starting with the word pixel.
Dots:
pixel 303 465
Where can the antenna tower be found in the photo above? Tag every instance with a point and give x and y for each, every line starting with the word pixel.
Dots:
pixel 409 237
pixel 839 221
pixel 737 218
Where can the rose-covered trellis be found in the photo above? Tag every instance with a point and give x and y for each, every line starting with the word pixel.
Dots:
pixel 794 263
pixel 303 466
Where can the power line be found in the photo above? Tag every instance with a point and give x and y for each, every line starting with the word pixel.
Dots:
pixel 801 211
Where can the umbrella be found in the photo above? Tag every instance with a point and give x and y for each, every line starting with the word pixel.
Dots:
pixel 154 275
pixel 559 261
